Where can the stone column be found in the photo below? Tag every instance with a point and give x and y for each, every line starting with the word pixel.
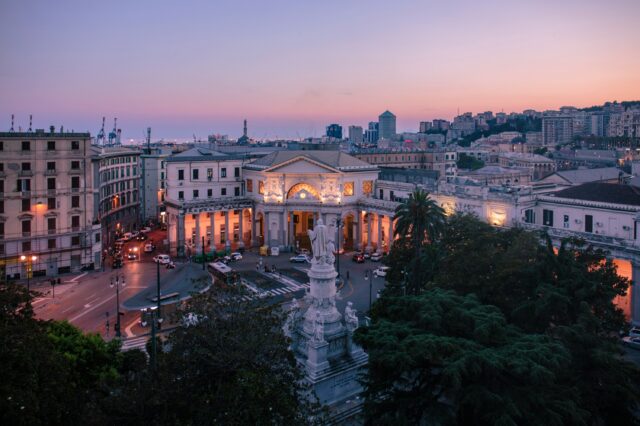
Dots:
pixel 254 228
pixel 241 228
pixel 358 233
pixel 198 241
pixel 180 235
pixel 635 292
pixel 281 231
pixel 213 231
pixel 227 230
pixel 267 224
pixel 379 241
pixel 390 234
pixel 369 220
pixel 292 230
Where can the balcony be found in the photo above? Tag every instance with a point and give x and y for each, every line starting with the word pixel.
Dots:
pixel 49 172
pixel 51 231
pixel 76 190
pixel 75 229
pixel 26 234
pixel 77 171
pixel 25 173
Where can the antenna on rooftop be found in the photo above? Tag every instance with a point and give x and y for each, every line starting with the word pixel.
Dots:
pixel 30 123
pixel 148 140
pixel 12 119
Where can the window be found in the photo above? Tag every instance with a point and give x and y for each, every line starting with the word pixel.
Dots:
pixel 529 216
pixel 51 203
pixel 223 191
pixel 51 145
pixel 547 217
pixel 51 183
pixel 180 174
pixel 1 146
pixel 195 174
pixel 26 204
pixel 261 187
pixel 1 229
pixel 565 221
pixel 26 228
pixel 75 182
pixel 51 243
pixel 223 172
pixel 1 167
pixel 75 222
pixel 180 195
pixel 236 172
pixel 27 166
pixel 97 238
pixel 392 196
pixel 75 165
pixel 209 192
pixel 588 223
pixel 51 165
pixel 75 240
pixel 367 187
pixel 347 191
pixel 196 193
pixel 75 145
pixel 236 191
pixel 249 185
pixel 24 185
pixel 26 246
pixel 1 206
pixel 209 174
pixel 51 225
pixel 26 146
pixel 75 201
pixel 1 245
pixel 381 194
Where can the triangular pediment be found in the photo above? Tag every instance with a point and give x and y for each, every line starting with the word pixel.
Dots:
pixel 301 165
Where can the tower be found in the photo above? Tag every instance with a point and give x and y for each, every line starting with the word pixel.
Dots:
pixel 244 131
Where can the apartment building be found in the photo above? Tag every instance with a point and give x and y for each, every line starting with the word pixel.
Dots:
pixel 46 204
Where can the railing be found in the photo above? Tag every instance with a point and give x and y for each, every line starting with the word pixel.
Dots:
pixel 50 172
pixel 587 236
pixel 25 173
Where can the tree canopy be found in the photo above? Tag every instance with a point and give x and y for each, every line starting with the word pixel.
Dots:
pixel 507 330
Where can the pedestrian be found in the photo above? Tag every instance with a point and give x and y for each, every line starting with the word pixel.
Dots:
pixel 257 266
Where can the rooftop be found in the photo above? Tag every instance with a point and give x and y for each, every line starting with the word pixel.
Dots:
pixel 590 175
pixel 203 154
pixel 613 193
pixel 335 159
pixel 41 134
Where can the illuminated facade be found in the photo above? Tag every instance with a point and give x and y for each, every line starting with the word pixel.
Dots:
pixel 46 204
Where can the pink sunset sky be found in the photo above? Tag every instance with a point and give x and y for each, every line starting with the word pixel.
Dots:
pixel 293 67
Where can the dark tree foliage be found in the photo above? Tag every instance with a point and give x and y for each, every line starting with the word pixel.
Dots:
pixel 468 162
pixel 232 367
pixel 553 296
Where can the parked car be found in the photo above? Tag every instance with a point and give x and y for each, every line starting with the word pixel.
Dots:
pixel 300 258
pixel 634 332
pixel 376 257
pixel 132 255
pixel 381 271
pixel 148 248
pixel 134 234
pixel 358 258
pixel 171 265
pixel 145 230
pixel 366 255
pixel 632 342
pixel 163 259
pixel 127 236
pixel 141 237
pixel 235 256
pixel 303 251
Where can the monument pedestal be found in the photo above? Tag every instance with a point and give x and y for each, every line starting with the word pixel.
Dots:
pixel 322 340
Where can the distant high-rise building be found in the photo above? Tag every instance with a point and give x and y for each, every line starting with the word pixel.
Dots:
pixel 372 133
pixel 387 125
pixel 425 126
pixel 334 131
pixel 355 135
pixel 557 130
pixel 439 124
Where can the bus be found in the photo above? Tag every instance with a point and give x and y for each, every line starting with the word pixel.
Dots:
pixel 222 274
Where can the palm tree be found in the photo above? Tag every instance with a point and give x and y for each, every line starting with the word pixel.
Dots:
pixel 420 221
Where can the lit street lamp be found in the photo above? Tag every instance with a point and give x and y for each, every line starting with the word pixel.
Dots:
pixel 28 261
pixel 119 281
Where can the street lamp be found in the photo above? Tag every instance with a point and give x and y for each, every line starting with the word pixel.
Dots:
pixel 119 281
pixel 26 260
pixel 368 276
pixel 338 226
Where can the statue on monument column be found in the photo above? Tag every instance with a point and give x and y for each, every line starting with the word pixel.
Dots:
pixel 350 317
pixel 318 329
pixel 319 240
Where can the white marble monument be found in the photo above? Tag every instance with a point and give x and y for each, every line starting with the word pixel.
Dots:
pixel 321 341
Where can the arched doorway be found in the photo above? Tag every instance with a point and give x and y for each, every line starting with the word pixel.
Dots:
pixel 302 220
pixel 348 232
pixel 260 228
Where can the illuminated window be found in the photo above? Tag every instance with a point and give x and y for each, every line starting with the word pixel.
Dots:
pixel 249 185
pixel 348 189
pixel 261 187
pixel 367 186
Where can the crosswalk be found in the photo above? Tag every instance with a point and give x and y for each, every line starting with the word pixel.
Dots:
pixel 135 343
pixel 290 288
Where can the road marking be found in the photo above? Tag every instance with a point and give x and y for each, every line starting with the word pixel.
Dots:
pixel 68 309
pixel 90 296
pixel 80 315
pixel 78 277
pixel 127 329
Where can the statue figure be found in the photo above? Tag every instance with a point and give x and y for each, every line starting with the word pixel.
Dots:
pixel 319 240
pixel 290 323
pixel 350 317
pixel 331 248
pixel 318 329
